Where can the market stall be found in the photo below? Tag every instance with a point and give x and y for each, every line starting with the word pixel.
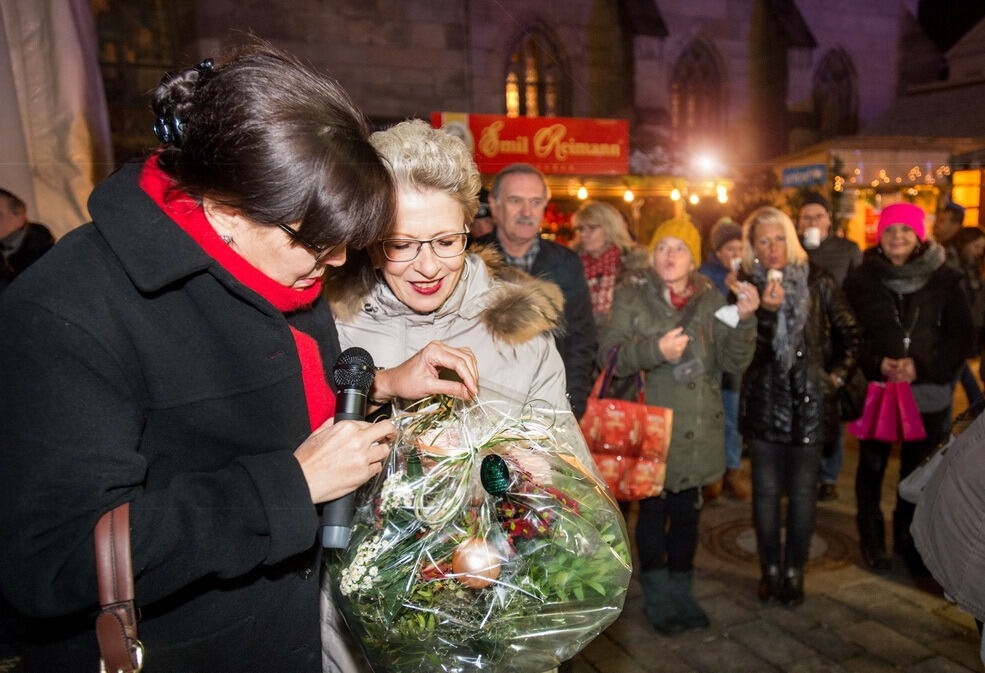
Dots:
pixel 582 159
pixel 863 174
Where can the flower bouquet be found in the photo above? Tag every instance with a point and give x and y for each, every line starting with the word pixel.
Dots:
pixel 485 544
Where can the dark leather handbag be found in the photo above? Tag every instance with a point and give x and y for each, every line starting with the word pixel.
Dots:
pixel 116 625
pixel 851 396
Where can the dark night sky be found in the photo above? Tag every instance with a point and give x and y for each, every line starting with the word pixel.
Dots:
pixel 947 20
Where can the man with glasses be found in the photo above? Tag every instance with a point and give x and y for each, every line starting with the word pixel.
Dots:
pixel 518 200
pixel 838 256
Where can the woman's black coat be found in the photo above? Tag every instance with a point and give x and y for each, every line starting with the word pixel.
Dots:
pixel 800 406
pixel 937 315
pixel 135 368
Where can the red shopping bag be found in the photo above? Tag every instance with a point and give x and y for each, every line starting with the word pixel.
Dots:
pixel 911 423
pixel 628 440
pixel 864 427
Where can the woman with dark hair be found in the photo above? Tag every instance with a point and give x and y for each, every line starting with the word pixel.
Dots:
pixel 917 329
pixel 175 354
pixel 806 347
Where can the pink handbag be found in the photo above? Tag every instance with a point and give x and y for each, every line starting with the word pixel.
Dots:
pixel 864 426
pixel 890 414
pixel 911 423
pixel 887 423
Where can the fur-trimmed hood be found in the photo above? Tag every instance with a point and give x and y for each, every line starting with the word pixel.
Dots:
pixel 513 306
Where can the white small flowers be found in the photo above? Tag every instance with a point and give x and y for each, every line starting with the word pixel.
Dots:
pixel 396 492
pixel 359 575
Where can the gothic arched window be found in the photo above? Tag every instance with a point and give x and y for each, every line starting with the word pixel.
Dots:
pixel 536 82
pixel 696 96
pixel 835 99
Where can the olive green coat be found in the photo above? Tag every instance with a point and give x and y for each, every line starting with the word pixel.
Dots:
pixel 641 314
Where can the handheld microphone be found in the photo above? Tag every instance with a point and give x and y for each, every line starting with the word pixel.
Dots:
pixel 353 376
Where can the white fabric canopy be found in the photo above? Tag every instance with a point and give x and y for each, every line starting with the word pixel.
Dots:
pixel 54 129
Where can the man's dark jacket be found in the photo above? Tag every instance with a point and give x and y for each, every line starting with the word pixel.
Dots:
pixel 578 341
pixel 37 241
pixel 800 407
pixel 137 369
pixel 836 255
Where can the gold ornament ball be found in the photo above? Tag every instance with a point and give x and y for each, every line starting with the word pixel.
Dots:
pixel 475 563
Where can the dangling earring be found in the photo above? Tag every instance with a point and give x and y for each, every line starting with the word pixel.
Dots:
pixel 226 238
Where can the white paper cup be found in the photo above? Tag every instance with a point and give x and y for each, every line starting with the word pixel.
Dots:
pixel 812 238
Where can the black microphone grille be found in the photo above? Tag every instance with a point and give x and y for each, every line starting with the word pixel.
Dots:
pixel 354 369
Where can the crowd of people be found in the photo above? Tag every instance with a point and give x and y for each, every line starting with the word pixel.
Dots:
pixel 181 361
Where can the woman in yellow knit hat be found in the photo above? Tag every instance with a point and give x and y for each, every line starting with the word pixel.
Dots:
pixel 664 322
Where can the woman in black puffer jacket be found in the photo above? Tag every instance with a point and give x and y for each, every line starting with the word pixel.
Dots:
pixel 917 328
pixel 805 349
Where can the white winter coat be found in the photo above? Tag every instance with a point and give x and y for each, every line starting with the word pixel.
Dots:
pixel 504 315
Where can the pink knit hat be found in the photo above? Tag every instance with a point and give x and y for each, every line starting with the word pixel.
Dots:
pixel 906 214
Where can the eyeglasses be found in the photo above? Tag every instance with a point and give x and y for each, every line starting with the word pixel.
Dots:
pixel 407 249
pixel 319 251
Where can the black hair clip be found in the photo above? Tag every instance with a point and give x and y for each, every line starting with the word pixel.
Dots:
pixel 169 129
pixel 205 67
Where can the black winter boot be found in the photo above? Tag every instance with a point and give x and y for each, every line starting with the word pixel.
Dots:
pixel 769 583
pixel 688 610
pixel 658 604
pixel 792 590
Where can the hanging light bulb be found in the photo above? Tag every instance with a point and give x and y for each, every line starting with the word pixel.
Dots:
pixel 675 194
pixel 693 199
pixel 582 193
pixel 628 195
pixel 722 193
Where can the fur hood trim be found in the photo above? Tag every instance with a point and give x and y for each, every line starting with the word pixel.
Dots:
pixel 515 307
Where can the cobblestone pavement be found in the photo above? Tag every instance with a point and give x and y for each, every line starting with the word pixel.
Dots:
pixel 852 620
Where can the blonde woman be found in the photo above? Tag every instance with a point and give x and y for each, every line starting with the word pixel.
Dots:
pixel 420 284
pixel 602 242
pixel 806 347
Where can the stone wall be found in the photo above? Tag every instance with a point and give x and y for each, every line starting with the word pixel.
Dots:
pixel 407 58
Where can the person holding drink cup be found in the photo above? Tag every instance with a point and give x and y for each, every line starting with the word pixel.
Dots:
pixel 806 348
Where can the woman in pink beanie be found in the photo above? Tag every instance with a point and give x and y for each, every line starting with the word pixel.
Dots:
pixel 917 328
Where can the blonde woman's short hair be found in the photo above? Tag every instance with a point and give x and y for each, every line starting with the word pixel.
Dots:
pixel 770 215
pixel 611 220
pixel 425 158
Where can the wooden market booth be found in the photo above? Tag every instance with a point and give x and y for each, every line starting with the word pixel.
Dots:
pixel 863 174
pixel 581 158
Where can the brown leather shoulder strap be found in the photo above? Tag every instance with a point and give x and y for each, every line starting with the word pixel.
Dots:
pixel 116 625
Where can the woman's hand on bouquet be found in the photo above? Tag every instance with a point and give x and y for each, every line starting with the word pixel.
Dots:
pixel 672 344
pixel 338 458
pixel 773 295
pixel 747 299
pixel 420 375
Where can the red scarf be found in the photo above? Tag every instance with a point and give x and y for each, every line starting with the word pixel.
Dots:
pixel 679 301
pixel 601 273
pixel 189 215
